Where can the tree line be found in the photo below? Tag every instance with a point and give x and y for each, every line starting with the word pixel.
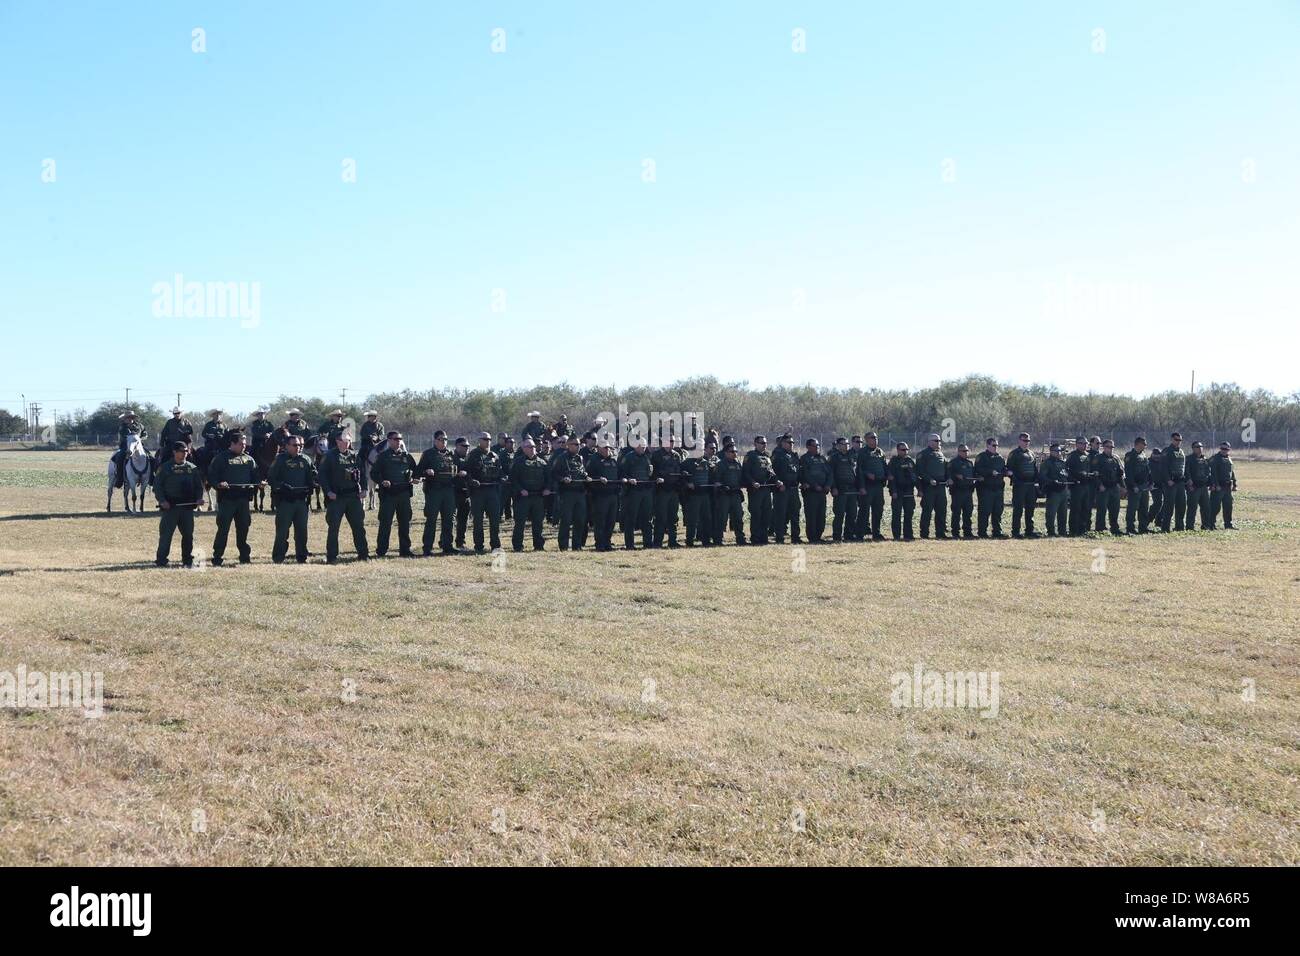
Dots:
pixel 977 405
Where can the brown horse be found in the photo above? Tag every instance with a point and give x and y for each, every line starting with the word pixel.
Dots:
pixel 265 457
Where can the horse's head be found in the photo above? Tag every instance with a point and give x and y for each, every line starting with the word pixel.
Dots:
pixel 135 447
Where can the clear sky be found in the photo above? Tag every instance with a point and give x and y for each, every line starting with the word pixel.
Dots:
pixel 929 190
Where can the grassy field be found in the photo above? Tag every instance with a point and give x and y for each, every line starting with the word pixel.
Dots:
pixel 685 707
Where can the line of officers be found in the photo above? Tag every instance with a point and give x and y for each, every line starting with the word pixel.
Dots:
pixel 587 489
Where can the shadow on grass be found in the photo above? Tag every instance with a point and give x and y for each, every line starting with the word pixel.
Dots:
pixel 96 514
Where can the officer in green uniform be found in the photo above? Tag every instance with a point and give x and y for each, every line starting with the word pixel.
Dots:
pixel 871 486
pixel 1092 491
pixel 1224 478
pixel 961 484
pixel 756 472
pixel 340 479
pixel 438 468
pixel 991 470
pixel 1110 478
pixel 844 491
pixel 534 429
pixel 569 482
pixel 1081 482
pixel 178 488
pixel 127 427
pixel 1159 475
pixel 815 480
pixel 234 474
pixel 505 452
pixel 332 427
pixel 785 500
pixel 1175 504
pixel 461 454
pixel 637 472
pixel 393 474
pixel 292 476
pixel 902 492
pixel 214 431
pixel 1024 487
pixel 605 483
pixel 1055 479
pixel 484 468
pixel 932 474
pixel 259 431
pixel 731 483
pixel 175 429
pixel 667 461
pixel 372 431
pixel 1199 478
pixel 699 475
pixel 1137 481
pixel 296 425
pixel 530 479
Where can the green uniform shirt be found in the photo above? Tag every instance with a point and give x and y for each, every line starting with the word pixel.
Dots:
pixel 638 466
pixel 1055 475
pixel 396 467
pixel 1222 471
pixel 844 469
pixel 872 466
pixel 340 473
pixel 443 465
pixel 961 472
pixel 529 474
pixel 730 474
pixel 1110 470
pixel 295 471
pixel 990 468
pixel 1022 465
pixel 757 468
pixel 1198 471
pixel 1137 470
pixel 178 484
pixel 814 470
pixel 483 466
pixel 931 465
pixel 214 433
pixel 902 475
pixel 234 469
pixel 1175 464
pixel 175 429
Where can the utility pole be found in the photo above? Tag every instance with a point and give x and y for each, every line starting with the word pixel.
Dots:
pixel 1193 381
pixel 128 398
pixel 178 399
pixel 345 397
pixel 36 418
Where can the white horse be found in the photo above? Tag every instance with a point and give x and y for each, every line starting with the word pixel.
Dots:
pixel 369 462
pixel 137 476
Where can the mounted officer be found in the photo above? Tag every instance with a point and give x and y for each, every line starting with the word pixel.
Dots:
pixel 128 425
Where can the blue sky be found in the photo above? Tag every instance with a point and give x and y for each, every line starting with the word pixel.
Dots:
pixel 929 190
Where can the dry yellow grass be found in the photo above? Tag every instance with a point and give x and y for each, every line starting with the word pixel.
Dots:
pixel 508 716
